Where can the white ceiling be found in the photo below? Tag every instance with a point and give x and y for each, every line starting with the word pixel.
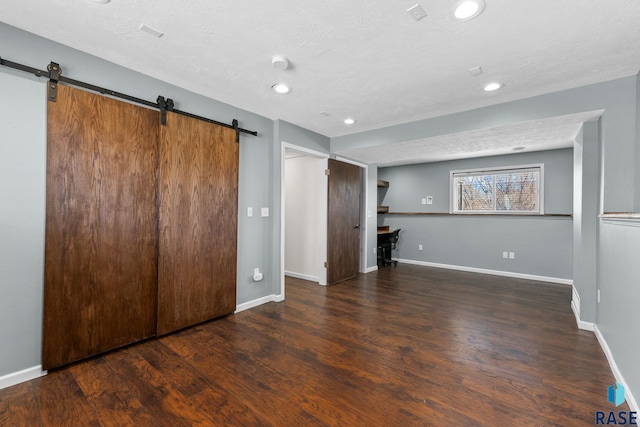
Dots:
pixel 535 135
pixel 366 59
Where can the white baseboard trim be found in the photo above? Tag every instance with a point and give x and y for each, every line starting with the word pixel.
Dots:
pixel 486 271
pixel 371 269
pixel 585 326
pixel 256 302
pixel 575 307
pixel 21 376
pixel 302 276
pixel 633 404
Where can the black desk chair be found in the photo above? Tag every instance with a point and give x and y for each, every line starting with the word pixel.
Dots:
pixel 386 246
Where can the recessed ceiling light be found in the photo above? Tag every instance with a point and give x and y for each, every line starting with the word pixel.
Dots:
pixel 349 121
pixel 281 88
pixel 464 10
pixel 490 87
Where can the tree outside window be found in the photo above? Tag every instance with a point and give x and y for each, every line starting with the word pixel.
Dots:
pixel 509 190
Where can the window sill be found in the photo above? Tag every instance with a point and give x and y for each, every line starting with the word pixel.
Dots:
pixel 568 216
pixel 621 217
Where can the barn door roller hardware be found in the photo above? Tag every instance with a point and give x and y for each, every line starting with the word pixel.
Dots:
pixel 54 73
pixel 54 77
pixel 164 105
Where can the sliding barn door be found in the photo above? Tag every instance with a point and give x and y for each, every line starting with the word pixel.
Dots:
pixel 101 226
pixel 343 225
pixel 198 222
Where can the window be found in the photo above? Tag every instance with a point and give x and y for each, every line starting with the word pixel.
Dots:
pixel 508 190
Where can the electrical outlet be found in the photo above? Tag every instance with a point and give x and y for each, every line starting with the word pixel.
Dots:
pixel 419 247
pixel 424 201
pixel 249 211
pixel 265 212
pixel 505 255
pixel 512 255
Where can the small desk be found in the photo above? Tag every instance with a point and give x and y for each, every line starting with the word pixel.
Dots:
pixel 384 246
pixel 383 229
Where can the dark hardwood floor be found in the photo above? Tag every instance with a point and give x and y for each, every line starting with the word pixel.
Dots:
pixel 402 346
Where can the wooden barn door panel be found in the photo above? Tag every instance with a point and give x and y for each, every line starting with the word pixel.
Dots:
pixel 101 226
pixel 343 234
pixel 198 222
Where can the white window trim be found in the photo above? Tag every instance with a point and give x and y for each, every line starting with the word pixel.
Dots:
pixel 490 171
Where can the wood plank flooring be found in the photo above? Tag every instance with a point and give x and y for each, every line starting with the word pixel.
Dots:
pixel 402 346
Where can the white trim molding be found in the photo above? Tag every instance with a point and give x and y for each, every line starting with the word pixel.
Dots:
pixel 21 376
pixel 352 162
pixel 371 269
pixel 283 147
pixel 486 271
pixel 256 302
pixel 302 276
pixel 633 404
pixel 575 307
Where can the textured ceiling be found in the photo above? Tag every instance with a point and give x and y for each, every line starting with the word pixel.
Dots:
pixel 534 135
pixel 367 59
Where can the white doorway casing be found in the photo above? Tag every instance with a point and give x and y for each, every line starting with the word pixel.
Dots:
pixel 312 240
pixel 321 220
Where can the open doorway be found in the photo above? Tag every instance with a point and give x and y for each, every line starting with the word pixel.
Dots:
pixel 304 214
pixel 304 219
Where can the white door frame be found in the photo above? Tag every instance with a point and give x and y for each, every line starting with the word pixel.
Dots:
pixel 313 153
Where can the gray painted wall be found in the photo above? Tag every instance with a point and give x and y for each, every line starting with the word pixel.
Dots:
pixel 22 203
pixel 24 303
pixel 586 191
pixel 617 97
pixel 542 245
pixel 618 314
pixel 305 138
pixel 617 244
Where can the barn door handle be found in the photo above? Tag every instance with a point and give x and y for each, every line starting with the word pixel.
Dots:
pixel 357 226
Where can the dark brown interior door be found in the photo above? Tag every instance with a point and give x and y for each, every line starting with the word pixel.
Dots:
pixel 343 234
pixel 198 222
pixel 101 226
